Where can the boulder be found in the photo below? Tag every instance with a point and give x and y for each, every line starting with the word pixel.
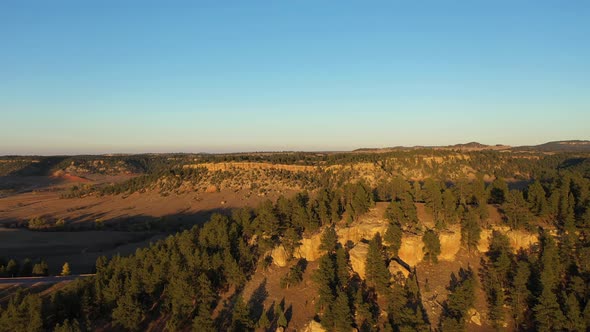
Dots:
pixel 279 256
pixel 313 326
pixel 358 258
pixel 475 317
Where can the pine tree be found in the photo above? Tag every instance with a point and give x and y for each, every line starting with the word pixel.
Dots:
pixel 377 274
pixel 548 314
pixel 240 316
pixel 521 295
pixel 342 270
pixel 263 321
pixel 517 210
pixel 431 246
pixel 329 239
pixel 280 314
pixel 393 237
pixel 575 321
pixel 449 206
pixel 68 326
pixel 498 191
pixel 65 270
pixel 537 199
pixel 470 229
pixel 342 313
pixel 433 198
pixel 325 277
pixel 128 313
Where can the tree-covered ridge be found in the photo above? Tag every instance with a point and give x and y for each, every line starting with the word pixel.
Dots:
pixel 183 279
pixel 310 171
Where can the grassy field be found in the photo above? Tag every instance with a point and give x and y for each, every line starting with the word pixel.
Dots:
pixel 80 249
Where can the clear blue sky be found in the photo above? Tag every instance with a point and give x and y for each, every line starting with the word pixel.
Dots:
pixel 135 76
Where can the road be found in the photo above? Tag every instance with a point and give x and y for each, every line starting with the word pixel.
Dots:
pixel 35 280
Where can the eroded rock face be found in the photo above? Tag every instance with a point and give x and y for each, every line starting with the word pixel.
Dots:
pixel 411 251
pixel 310 248
pixel 363 230
pixel 450 244
pixel 358 258
pixel 518 239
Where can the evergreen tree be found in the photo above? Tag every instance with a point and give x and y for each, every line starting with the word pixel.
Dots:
pixel 393 237
pixel 449 205
pixel 325 277
pixel 377 274
pixel 263 321
pixel 498 191
pixel 521 296
pixel 342 313
pixel 26 269
pixel 516 209
pixel 470 229
pixel 203 321
pixel 240 320
pixel 68 326
pixel 329 239
pixel 575 320
pixel 65 270
pixel 480 197
pixel 433 198
pixel 128 313
pixel 280 314
pixel 431 246
pixel 548 314
pixel 536 197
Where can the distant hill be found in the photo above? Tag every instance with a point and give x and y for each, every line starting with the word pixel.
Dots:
pixel 471 146
pixel 558 146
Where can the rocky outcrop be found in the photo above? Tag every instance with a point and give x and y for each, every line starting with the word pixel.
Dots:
pixel 518 239
pixel 310 248
pixel 358 258
pixel 313 326
pixel 363 230
pixel 279 256
pixel 411 251
pixel 450 244
pixel 475 317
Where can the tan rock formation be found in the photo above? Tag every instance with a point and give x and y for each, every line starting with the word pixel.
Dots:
pixel 363 230
pixel 310 248
pixel 450 243
pixel 313 326
pixel 518 239
pixel 475 317
pixel 411 251
pixel 279 256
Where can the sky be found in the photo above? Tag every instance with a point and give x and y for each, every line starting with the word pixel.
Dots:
pixel 107 76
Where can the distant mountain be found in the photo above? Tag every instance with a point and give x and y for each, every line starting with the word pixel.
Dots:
pixel 558 146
